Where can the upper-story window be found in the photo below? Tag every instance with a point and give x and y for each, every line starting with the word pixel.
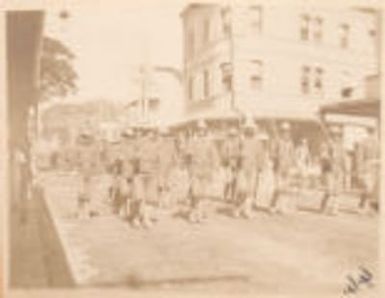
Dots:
pixel 373 38
pixel 206 31
pixel 318 80
pixel 347 92
pixel 305 27
pixel 305 80
pixel 256 15
pixel 227 76
pixel 312 80
pixel 311 28
pixel 226 21
pixel 206 84
pixel 344 35
pixel 317 32
pixel 372 33
pixel 256 77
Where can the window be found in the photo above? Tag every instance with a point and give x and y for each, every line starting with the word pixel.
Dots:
pixel 372 33
pixel 227 76
pixel 318 22
pixel 206 84
pixel 318 80
pixel 305 24
pixel 344 36
pixel 305 80
pixel 226 21
pixel 347 92
pixel 206 31
pixel 256 75
pixel 255 82
pixel 374 40
pixel 256 19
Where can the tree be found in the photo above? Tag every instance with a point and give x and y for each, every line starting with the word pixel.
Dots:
pixel 58 77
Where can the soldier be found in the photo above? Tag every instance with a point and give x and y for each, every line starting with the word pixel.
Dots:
pixel 125 174
pixel 303 162
pixel 251 162
pixel 267 178
pixel 86 171
pixel 203 159
pixel 167 160
pixel 114 165
pixel 368 169
pixel 146 153
pixel 230 158
pixel 284 161
pixel 335 175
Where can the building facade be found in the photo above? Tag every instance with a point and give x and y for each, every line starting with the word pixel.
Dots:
pixel 159 102
pixel 241 58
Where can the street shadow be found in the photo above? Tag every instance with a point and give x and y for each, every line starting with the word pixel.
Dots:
pixel 135 282
pixel 261 209
pixel 226 211
pixel 181 214
pixel 310 209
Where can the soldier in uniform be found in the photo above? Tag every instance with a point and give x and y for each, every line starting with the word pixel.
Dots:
pixel 251 162
pixel 124 174
pixel 114 166
pixel 284 162
pixel 303 162
pixel 147 156
pixel 368 169
pixel 203 158
pixel 167 160
pixel 86 171
pixel 266 178
pixel 335 175
pixel 230 159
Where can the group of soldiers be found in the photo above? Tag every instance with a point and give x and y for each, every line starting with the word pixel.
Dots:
pixel 153 167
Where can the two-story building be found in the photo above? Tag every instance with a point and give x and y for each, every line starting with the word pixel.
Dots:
pixel 275 61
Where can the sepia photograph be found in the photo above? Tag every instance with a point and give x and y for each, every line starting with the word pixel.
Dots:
pixel 193 148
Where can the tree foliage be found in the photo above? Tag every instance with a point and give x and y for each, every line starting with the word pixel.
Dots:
pixel 58 77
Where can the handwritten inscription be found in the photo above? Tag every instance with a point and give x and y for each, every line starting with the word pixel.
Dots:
pixel 356 282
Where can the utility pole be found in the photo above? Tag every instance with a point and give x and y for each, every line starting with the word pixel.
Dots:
pixel 145 78
pixel 228 24
pixel 143 95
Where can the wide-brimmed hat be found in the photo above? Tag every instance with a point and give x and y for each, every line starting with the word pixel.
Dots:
pixel 164 130
pixel 336 130
pixel 370 129
pixel 232 131
pixel 128 132
pixel 285 126
pixel 201 124
pixel 250 124
pixel 85 138
pixel 263 136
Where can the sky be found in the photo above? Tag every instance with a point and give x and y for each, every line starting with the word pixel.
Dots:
pixel 111 41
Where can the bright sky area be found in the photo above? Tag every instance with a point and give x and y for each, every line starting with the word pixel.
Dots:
pixel 110 42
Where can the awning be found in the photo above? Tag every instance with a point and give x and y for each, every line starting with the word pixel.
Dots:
pixel 359 108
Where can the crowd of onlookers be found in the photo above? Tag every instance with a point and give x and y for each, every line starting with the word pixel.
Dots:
pixel 155 167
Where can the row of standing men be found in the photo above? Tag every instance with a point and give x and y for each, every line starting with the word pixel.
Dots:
pixel 146 160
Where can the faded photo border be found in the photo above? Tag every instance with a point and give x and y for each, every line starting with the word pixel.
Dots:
pixel 7 5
